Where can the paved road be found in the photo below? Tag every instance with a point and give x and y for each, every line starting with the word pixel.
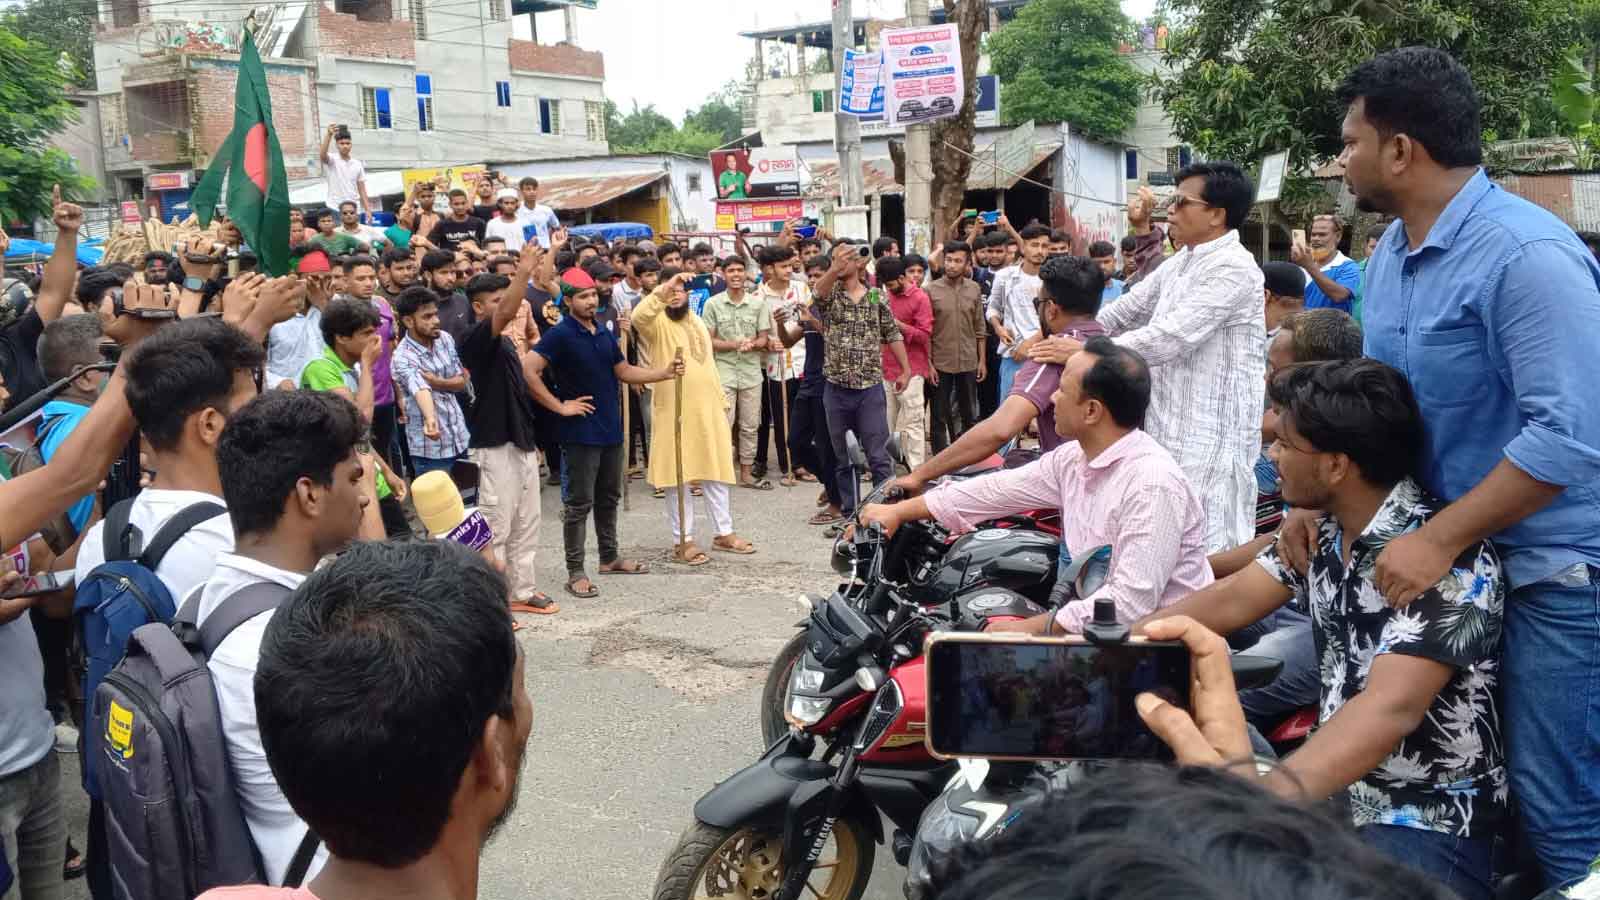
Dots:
pixel 643 697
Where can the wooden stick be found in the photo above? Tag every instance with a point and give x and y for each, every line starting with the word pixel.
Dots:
pixel 627 436
pixel 677 446
pixel 783 392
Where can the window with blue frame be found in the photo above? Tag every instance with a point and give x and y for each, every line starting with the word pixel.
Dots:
pixel 502 94
pixel 1131 155
pixel 424 102
pixel 375 110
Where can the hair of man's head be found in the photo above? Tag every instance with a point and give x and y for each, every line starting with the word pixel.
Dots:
pixel 1119 378
pixel 528 181
pixel 566 259
pixel 1145 832
pixel 413 298
pixel 183 368
pixel 883 245
pixel 92 287
pixel 1323 334
pixel 503 259
pixel 1360 407
pixel 349 203
pixel 395 255
pixel 1075 283
pixel 957 247
pixel 356 260
pixel 326 214
pixel 1129 244
pixel 700 249
pixel 1424 94
pixel 666 248
pixel 628 252
pixel 344 316
pixel 915 259
pixel 122 270
pixel 372 696
pixel 670 272
pixel 817 264
pixel 67 343
pixel 808 242
pixel 890 268
pixel 1226 187
pixel 275 440
pixel 158 256
pixel 434 260
pixel 1102 249
pixel 771 256
pixel 1034 230
pixel 458 192
pixel 486 283
pixel 735 261
pixel 1375 233
pixel 646 263
pixel 1060 236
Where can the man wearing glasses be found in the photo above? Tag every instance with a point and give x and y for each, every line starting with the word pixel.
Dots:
pixel 1197 321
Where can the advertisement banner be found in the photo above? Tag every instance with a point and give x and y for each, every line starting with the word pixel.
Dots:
pixel 732 216
pixel 445 179
pixel 130 212
pixel 759 173
pixel 923 73
pixel 861 83
pixel 166 181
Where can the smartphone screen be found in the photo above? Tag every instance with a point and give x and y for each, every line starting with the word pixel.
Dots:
pixel 1020 699
pixel 42 583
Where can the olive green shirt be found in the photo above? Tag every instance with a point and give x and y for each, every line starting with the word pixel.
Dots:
pixel 742 321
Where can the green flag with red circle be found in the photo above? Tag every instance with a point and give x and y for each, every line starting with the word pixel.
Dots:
pixel 252 162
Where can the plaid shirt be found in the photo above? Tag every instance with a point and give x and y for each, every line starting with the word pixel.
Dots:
pixel 856 333
pixel 411 359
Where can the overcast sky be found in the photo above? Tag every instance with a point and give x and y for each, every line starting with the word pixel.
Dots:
pixel 676 55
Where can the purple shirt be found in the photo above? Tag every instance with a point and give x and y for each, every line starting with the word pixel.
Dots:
pixel 382 381
pixel 1133 496
pixel 1038 382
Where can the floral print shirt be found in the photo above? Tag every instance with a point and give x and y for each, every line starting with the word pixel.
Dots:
pixel 856 332
pixel 1449 775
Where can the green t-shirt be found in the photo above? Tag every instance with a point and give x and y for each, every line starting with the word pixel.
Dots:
pixel 328 372
pixel 731 184
pixel 339 244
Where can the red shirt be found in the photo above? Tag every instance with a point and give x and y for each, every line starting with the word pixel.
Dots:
pixel 914 312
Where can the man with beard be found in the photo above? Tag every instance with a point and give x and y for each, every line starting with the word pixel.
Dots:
pixel 428 373
pixel 1332 278
pixel 394 823
pixel 506 224
pixel 157 265
pixel 396 272
pixel 667 326
pixel 455 309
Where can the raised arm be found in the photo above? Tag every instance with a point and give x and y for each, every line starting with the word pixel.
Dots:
pixel 327 142
pixel 56 288
pixel 510 302
pixel 978 443
pixel 1208 305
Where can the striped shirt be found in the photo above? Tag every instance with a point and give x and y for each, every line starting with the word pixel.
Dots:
pixel 411 359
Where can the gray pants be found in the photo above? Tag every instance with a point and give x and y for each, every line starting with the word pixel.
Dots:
pixel 33 830
pixel 594 482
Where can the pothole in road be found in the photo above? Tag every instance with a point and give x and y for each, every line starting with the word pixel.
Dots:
pixel 676 665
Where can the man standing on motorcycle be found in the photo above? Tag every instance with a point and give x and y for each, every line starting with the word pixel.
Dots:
pixel 1123 488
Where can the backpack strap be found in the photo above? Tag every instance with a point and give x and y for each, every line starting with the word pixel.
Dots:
pixel 115 533
pixel 245 604
pixel 302 859
pixel 175 529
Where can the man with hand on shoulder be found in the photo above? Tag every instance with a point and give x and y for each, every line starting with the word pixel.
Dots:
pixel 1123 489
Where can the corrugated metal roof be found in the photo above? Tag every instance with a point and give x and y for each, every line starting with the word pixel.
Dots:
pixel 571 192
pixel 877 175
pixel 1573 197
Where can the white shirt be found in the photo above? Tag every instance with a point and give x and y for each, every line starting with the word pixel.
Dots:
pixel 1011 298
pixel 624 298
pixel 291 344
pixel 795 294
pixel 342 176
pixel 510 232
pixel 366 234
pixel 542 218
pixel 1199 323
pixel 276 829
pixel 189 562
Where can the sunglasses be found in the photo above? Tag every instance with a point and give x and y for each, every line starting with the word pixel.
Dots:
pixel 1179 201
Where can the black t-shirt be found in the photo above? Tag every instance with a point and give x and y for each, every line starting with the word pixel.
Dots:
pixel 448 234
pixel 484 212
pixel 505 409
pixel 19 358
pixel 455 315
pixel 811 378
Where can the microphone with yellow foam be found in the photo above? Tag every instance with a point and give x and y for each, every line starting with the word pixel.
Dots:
pixel 440 508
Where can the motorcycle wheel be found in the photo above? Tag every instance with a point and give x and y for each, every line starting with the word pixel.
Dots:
pixel 775 695
pixel 747 864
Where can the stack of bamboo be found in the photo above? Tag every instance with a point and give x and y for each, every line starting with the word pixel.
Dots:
pixel 130 243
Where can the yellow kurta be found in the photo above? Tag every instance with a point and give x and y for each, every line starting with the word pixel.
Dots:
pixel 707 440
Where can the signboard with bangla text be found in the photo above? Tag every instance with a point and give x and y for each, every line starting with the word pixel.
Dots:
pixel 733 216
pixel 922 73
pixel 759 173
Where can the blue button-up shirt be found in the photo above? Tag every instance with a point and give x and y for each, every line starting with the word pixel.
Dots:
pixel 1495 320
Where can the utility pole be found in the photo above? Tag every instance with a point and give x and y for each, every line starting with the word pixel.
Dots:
pixel 919 164
pixel 850 218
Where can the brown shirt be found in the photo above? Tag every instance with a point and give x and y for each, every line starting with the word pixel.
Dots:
pixel 958 326
pixel 856 332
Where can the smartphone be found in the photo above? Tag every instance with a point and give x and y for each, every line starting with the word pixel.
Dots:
pixel 969 214
pixel 1023 697
pixel 991 217
pixel 805 232
pixel 42 583
pixel 1298 236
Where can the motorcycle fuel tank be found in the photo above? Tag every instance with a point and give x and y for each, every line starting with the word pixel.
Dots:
pixel 1021 560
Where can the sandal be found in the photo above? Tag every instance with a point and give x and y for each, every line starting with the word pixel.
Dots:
pixel 75 866
pixel 690 555
pixel 732 543
pixel 572 588
pixel 788 481
pixel 658 493
pixel 823 517
pixel 762 485
pixel 822 499
pixel 626 567
pixel 695 491
pixel 539 604
pixel 807 477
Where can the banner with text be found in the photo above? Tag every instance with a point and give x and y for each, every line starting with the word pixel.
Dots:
pixel 732 216
pixel 446 179
pixel 923 69
pixel 759 173
pixel 861 83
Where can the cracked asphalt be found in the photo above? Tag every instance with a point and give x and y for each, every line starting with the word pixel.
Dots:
pixel 643 697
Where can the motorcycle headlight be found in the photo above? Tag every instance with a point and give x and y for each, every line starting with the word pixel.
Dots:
pixel 806 711
pixel 804 678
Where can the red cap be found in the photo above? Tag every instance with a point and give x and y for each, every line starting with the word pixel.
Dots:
pixel 577 280
pixel 314 262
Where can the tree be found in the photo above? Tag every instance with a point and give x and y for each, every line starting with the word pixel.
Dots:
pixel 33 107
pixel 1059 62
pixel 64 26
pixel 950 140
pixel 633 132
pixel 1574 94
pixel 720 115
pixel 1249 77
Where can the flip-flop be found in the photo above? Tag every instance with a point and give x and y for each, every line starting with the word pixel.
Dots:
pixel 658 493
pixel 745 548
pixel 823 518
pixel 548 608
pixel 788 481
pixel 640 567
pixel 75 866
pixel 762 485
pixel 697 558
pixel 807 477
pixel 695 491
pixel 571 588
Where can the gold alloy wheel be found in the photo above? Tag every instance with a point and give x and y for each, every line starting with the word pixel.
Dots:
pixel 749 866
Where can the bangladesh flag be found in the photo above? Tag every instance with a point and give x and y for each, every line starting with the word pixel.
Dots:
pixel 258 190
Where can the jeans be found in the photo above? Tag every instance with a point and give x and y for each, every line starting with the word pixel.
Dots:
pixel 808 428
pixel 33 829
pixel 1008 373
pixel 1461 864
pixel 772 422
pixel 395 526
pixel 426 464
pixel 384 425
pixel 1550 708
pixel 989 397
pixel 864 411
pixel 1284 635
pixel 955 407
pixel 594 482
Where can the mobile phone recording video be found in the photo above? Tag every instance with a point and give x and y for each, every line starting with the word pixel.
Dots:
pixel 1033 698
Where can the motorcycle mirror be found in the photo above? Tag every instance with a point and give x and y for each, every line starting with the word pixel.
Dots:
pixel 1251 671
pixel 852 449
pixel 1089 570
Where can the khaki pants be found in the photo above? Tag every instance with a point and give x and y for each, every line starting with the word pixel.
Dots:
pixel 744 411
pixel 508 496
pixel 908 419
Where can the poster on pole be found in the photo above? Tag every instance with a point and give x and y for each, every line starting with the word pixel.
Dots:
pixel 861 83
pixel 1270 186
pixel 923 76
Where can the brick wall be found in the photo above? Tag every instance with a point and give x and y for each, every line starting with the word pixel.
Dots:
pixel 342 34
pixel 555 59
pixel 159 147
pixel 212 86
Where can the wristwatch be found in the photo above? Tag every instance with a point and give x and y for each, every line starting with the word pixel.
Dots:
pixel 192 283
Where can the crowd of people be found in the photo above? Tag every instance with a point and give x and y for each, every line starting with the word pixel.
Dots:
pixel 1381 472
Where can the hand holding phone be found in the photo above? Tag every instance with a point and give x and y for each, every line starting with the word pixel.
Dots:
pixel 1215 733
pixel 34 585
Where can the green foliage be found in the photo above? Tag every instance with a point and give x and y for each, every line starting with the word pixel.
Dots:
pixel 33 107
pixel 1252 76
pixel 1058 62
pixel 64 26
pixel 644 130
pixel 1573 91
